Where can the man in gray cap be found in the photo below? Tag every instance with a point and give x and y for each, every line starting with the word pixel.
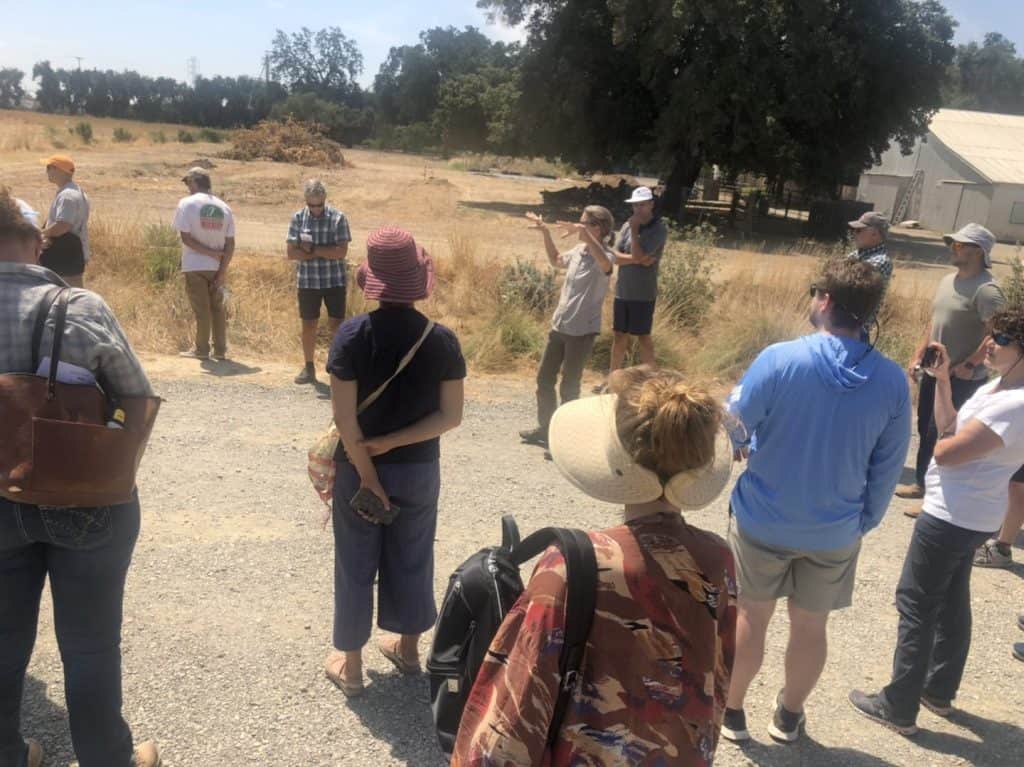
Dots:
pixel 963 304
pixel 869 235
pixel 207 229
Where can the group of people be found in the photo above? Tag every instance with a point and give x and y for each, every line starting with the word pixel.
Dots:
pixel 682 615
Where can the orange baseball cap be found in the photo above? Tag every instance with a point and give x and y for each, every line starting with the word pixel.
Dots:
pixel 60 161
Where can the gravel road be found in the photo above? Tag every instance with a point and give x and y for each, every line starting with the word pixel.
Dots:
pixel 228 609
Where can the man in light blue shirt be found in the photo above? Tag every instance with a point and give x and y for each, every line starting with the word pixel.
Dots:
pixel 826 425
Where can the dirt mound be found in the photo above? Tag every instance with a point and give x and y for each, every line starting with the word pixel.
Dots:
pixel 288 141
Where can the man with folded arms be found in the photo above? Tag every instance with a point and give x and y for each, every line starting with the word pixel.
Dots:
pixel 824 422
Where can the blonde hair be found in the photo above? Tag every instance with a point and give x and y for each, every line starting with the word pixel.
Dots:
pixel 604 217
pixel 665 424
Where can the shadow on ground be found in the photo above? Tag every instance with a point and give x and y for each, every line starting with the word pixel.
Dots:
pixel 396 711
pixel 806 751
pixel 228 368
pixel 43 720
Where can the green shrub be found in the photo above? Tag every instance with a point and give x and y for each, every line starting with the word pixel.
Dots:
pixel 511 337
pixel 186 137
pixel 123 136
pixel 211 135
pixel 84 131
pixel 523 286
pixel 686 289
pixel 1013 284
pixel 162 252
pixel 158 137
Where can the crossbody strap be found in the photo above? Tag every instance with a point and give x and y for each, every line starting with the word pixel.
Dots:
pixel 37 332
pixel 58 339
pixel 401 366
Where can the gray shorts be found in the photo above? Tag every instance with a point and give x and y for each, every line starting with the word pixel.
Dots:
pixel 816 581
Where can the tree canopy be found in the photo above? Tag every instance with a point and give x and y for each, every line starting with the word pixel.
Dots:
pixel 987 77
pixel 325 62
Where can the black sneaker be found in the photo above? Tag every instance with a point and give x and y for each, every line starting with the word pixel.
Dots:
pixel 1018 650
pixel 536 436
pixel 734 725
pixel 307 376
pixel 938 706
pixel 876 709
pixel 1020 621
pixel 785 726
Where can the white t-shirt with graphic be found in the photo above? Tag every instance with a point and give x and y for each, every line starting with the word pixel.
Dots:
pixel 974 494
pixel 210 221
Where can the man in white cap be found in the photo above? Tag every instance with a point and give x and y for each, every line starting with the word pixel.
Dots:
pixel 869 235
pixel 207 229
pixel 637 253
pixel 963 304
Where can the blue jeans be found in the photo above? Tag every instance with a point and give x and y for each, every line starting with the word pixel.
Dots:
pixel 400 555
pixel 86 553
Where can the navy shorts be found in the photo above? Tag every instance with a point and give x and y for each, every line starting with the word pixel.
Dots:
pixel 633 317
pixel 311 298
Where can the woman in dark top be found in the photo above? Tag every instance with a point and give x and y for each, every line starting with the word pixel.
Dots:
pixel 390 449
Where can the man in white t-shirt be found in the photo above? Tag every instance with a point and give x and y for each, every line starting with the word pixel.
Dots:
pixel 207 230
pixel 979 449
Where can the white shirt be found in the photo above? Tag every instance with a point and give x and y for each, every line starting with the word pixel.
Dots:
pixel 210 221
pixel 974 495
pixel 71 207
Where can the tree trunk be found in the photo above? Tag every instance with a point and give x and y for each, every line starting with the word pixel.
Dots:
pixel 685 171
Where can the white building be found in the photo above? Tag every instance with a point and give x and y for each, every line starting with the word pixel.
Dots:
pixel 969 167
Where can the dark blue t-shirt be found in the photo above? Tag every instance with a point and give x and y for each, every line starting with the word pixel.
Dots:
pixel 368 348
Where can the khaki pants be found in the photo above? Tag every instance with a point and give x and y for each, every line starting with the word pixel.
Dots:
pixel 208 305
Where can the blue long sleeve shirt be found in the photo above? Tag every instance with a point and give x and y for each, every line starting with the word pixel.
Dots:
pixel 827 424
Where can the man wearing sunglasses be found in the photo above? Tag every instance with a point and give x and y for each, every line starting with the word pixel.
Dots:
pixel 207 229
pixel 318 239
pixel 826 428
pixel 964 303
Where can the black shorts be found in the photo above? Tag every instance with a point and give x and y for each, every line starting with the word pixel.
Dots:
pixel 1019 476
pixel 311 298
pixel 64 256
pixel 633 317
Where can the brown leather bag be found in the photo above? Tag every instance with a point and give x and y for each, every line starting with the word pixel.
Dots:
pixel 56 449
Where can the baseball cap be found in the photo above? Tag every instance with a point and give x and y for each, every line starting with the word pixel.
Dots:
pixel 60 161
pixel 196 172
pixel 641 194
pixel 974 234
pixel 872 219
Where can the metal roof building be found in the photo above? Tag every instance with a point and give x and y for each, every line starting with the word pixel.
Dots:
pixel 969 167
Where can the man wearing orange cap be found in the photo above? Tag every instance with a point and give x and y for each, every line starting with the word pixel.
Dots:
pixel 66 235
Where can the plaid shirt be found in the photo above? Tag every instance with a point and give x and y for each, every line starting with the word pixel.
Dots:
pixel 878 257
pixel 93 339
pixel 329 229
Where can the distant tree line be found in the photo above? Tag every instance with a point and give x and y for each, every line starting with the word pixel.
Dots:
pixel 806 92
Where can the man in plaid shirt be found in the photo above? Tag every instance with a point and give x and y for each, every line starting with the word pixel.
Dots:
pixel 318 240
pixel 869 234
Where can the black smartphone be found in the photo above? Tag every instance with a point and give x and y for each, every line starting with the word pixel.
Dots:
pixel 366 503
pixel 929 358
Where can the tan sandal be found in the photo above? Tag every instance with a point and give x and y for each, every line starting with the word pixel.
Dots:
pixel 403 666
pixel 334 669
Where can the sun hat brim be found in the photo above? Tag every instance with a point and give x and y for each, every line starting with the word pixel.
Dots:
pixel 584 443
pixel 414 282
pixel 949 239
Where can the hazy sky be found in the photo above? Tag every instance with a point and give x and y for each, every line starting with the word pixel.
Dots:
pixel 228 37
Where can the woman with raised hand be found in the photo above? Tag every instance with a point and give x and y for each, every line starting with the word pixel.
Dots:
pixel 577 320
pixel 653 682
pixel 396 387
pixel 966 487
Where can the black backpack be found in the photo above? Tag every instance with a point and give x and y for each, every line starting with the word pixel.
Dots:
pixel 480 593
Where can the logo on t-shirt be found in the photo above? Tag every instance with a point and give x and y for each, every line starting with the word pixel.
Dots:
pixel 211 217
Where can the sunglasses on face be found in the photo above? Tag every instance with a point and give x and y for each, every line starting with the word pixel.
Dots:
pixel 1002 339
pixel 815 290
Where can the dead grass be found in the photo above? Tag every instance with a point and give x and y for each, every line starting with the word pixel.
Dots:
pixel 288 141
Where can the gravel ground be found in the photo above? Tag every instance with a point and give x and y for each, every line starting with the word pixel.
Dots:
pixel 228 609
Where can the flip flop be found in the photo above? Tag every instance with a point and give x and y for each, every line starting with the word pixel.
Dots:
pixel 403 666
pixel 334 670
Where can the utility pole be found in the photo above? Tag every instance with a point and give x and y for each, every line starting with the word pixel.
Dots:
pixel 192 69
pixel 266 68
pixel 79 59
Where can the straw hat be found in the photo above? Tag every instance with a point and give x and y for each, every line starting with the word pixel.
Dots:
pixel 584 441
pixel 396 268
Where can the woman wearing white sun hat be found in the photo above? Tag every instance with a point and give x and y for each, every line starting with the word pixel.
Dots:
pixel 654 678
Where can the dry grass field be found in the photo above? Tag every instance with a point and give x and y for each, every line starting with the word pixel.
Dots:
pixel 471 222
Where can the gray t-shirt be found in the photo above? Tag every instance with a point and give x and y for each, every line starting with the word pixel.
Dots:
pixel 71 207
pixel 583 292
pixel 960 311
pixel 635 282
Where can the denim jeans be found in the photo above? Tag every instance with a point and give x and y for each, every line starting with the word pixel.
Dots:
pixel 86 553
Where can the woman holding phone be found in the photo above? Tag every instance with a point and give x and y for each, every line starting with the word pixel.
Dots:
pixel 396 387
pixel 979 449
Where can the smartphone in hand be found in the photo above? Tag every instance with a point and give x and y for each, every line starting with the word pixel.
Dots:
pixel 366 504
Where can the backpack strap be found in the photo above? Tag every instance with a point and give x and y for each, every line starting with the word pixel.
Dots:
pixel 509 533
pixel 580 601
pixel 58 338
pixel 401 366
pixel 37 332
